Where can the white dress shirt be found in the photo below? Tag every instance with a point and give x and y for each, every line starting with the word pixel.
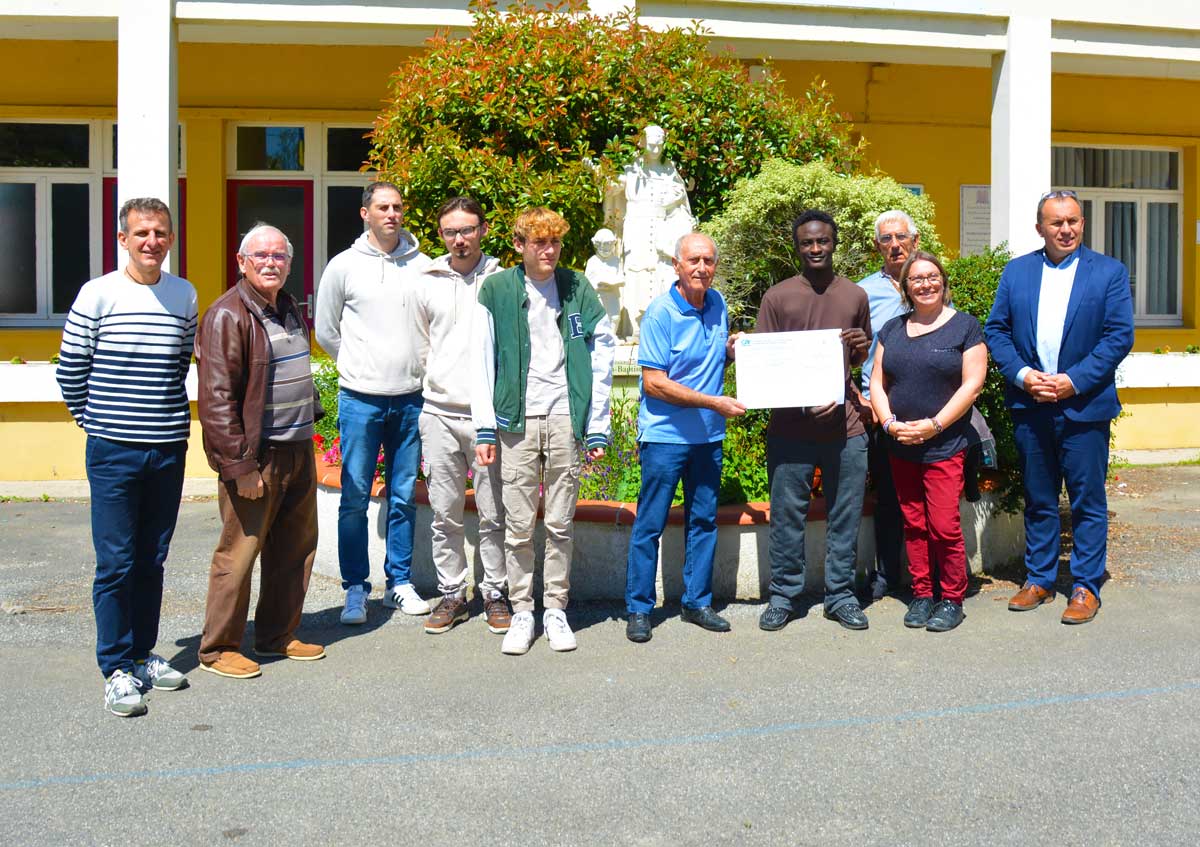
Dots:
pixel 1053 298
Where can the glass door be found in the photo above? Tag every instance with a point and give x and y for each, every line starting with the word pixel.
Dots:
pixel 287 205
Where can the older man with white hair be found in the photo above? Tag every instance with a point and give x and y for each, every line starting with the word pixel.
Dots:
pixel 257 407
pixel 685 346
pixel 896 237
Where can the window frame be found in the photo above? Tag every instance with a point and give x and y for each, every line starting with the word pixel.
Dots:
pixel 314 172
pixel 43 179
pixel 1098 196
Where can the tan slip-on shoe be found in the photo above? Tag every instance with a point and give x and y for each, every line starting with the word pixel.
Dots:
pixel 298 650
pixel 233 665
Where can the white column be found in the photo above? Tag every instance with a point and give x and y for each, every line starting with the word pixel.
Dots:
pixel 1020 132
pixel 147 108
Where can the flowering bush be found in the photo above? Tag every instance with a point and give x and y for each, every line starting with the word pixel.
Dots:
pixel 543 106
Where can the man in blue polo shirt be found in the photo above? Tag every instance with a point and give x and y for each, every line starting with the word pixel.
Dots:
pixel 684 347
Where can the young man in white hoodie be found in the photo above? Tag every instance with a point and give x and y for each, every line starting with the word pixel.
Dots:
pixel 446 301
pixel 366 320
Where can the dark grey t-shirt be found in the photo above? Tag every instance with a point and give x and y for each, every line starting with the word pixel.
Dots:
pixel 921 374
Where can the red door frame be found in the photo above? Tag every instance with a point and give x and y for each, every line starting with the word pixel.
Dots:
pixel 234 238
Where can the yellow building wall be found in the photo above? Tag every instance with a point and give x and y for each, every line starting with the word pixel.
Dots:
pixel 1158 417
pixel 924 124
pixel 49 445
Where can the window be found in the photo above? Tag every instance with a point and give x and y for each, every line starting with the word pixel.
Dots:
pixel 49 217
pixel 307 180
pixel 270 148
pixel 1133 201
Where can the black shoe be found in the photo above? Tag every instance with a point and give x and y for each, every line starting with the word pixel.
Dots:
pixel 637 629
pixel 705 618
pixel 849 615
pixel 946 615
pixel 774 618
pixel 919 611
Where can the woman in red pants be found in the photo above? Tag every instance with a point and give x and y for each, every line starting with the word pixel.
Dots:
pixel 929 368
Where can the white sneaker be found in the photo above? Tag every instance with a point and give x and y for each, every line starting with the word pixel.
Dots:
pixel 519 636
pixel 156 673
pixel 356 605
pixel 406 599
pixel 123 695
pixel 558 631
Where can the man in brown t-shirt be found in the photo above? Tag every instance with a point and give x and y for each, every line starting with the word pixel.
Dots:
pixel 832 437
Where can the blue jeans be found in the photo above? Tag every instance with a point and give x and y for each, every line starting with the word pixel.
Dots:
pixel 367 423
pixel 135 501
pixel 790 466
pixel 663 465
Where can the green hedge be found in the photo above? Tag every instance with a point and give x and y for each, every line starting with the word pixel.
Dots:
pixel 618 476
pixel 754 228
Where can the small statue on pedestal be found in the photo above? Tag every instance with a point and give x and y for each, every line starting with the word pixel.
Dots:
pixel 648 205
pixel 603 271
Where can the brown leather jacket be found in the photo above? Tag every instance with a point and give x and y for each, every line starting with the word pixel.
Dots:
pixel 233 357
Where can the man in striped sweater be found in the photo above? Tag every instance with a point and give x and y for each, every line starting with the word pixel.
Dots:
pixel 125 352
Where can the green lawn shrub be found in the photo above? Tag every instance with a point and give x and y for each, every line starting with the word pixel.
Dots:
pixel 754 229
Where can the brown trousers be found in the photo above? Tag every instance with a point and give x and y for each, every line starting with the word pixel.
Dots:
pixel 282 527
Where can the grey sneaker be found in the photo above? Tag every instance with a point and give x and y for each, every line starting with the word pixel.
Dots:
pixel 154 672
pixel 355 612
pixel 123 695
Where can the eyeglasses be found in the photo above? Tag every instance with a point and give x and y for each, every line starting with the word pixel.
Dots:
pixel 464 231
pixel 899 238
pixel 930 278
pixel 261 258
pixel 1059 193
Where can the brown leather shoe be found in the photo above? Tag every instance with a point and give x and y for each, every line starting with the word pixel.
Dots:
pixel 1082 608
pixel 233 665
pixel 450 611
pixel 297 650
pixel 497 613
pixel 1029 597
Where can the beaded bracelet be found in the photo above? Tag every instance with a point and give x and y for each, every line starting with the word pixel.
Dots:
pixel 936 425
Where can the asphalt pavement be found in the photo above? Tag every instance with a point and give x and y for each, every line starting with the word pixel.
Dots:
pixel 1013 729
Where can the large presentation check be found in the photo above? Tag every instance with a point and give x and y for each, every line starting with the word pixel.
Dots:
pixel 777 370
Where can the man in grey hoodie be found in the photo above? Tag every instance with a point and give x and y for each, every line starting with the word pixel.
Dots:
pixel 446 310
pixel 366 320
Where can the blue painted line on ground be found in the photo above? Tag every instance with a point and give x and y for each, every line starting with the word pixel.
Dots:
pixel 609 746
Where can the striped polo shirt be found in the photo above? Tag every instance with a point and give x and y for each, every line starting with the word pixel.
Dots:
pixel 288 412
pixel 125 353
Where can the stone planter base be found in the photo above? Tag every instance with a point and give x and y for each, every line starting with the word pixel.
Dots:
pixel 741 570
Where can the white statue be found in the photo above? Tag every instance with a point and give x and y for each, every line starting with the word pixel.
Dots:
pixel 603 271
pixel 649 206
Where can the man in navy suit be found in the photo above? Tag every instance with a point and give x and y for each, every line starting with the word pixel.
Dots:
pixel 1061 323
